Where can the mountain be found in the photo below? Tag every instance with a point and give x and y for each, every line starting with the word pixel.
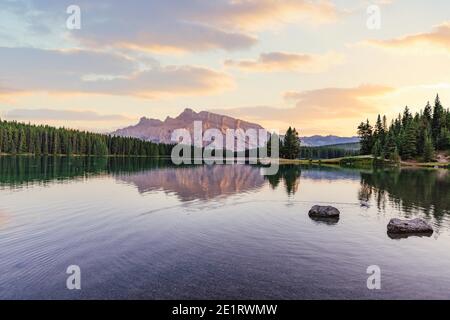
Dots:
pixel 318 141
pixel 160 131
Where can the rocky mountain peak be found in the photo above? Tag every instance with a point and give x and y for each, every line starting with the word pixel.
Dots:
pixel 160 131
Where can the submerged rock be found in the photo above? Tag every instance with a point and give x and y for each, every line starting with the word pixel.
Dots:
pixel 323 212
pixel 414 226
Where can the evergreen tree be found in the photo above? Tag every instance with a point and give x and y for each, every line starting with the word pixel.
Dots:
pixel 409 136
pixel 409 141
pixel 377 149
pixel 366 137
pixel 395 157
pixel 428 149
pixel 438 115
pixel 427 113
pixel 26 138
pixel 291 144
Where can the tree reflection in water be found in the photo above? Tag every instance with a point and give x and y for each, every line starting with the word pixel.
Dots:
pixel 409 190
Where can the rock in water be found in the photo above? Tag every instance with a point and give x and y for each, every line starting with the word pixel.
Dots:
pixel 324 212
pixel 409 226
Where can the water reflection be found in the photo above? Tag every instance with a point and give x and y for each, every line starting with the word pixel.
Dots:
pixel 22 171
pixel 399 236
pixel 290 175
pixel 409 190
pixel 3 218
pixel 95 210
pixel 147 175
pixel 198 182
pixel 208 182
pixel 328 221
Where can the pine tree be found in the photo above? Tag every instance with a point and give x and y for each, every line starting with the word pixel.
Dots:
pixel 377 150
pixel 438 115
pixel 427 113
pixel 428 149
pixel 407 117
pixel 26 138
pixel 395 157
pixel 366 137
pixel 444 139
pixel 409 141
pixel 411 136
pixel 291 145
pixel 391 146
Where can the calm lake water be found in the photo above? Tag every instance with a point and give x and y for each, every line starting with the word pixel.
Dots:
pixel 147 230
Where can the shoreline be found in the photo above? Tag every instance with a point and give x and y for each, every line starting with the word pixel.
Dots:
pixel 344 161
pixel 80 155
pixel 366 160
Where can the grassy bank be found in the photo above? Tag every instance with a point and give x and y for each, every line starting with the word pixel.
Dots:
pixel 364 161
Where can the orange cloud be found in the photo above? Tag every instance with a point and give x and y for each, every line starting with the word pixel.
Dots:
pixel 438 38
pixel 327 110
pixel 259 14
pixel 283 61
pixel 338 102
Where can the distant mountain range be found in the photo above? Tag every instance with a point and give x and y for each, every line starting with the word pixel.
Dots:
pixel 318 141
pixel 160 131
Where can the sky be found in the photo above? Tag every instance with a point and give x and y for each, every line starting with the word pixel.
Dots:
pixel 320 66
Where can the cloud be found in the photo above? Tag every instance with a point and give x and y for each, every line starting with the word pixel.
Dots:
pixel 66 115
pixel 177 25
pixel 437 38
pixel 171 37
pixel 170 80
pixel 65 62
pixel 338 102
pixel 283 61
pixel 326 110
pixel 259 14
pixel 79 71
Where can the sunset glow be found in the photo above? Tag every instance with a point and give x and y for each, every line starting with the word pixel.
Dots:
pixel 314 65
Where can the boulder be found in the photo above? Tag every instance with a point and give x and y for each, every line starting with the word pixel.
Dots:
pixel 323 212
pixel 413 226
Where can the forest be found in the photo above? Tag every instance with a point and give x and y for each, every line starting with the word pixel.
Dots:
pixel 291 148
pixel 328 152
pixel 21 138
pixel 410 136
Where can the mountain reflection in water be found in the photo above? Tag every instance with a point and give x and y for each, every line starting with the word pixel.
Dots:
pixel 146 229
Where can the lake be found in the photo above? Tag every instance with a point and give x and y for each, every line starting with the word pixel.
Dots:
pixel 144 229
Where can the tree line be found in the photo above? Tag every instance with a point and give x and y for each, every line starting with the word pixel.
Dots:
pixel 21 138
pixel 408 136
pixel 326 152
pixel 290 148
pixel 289 145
